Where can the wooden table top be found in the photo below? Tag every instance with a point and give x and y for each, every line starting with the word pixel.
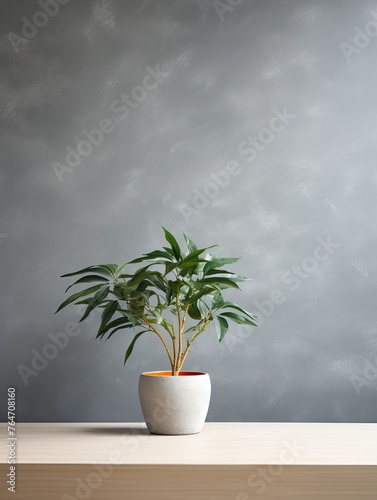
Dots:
pixel 229 443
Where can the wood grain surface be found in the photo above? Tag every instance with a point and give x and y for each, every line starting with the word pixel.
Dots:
pixel 238 461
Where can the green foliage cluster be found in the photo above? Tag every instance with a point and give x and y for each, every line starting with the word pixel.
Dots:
pixel 158 297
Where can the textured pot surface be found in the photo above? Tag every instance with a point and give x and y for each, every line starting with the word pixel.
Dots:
pixel 174 405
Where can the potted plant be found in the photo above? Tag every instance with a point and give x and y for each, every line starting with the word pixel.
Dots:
pixel 174 295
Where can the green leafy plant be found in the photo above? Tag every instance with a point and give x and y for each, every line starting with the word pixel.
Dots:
pixel 159 297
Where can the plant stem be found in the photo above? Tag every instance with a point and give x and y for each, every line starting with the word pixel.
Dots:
pixel 174 355
pixel 184 317
pixel 184 355
pixel 151 327
pixel 181 329
pixel 200 331
pixel 180 336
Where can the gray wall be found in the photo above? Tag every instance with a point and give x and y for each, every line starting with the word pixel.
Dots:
pixel 281 95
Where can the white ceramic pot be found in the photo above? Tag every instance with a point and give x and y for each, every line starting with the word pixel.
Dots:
pixel 174 405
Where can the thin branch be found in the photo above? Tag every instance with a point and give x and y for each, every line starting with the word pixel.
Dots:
pixel 180 337
pixel 200 331
pixel 163 326
pixel 190 342
pixel 185 316
pixel 152 328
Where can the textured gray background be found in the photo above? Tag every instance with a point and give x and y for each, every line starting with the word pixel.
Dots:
pixel 224 74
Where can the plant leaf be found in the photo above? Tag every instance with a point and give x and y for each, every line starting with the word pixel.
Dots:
pixel 112 268
pixel 191 329
pixel 83 301
pixel 190 244
pixel 173 243
pixel 221 327
pixel 132 344
pixel 169 295
pixel 112 333
pixel 176 285
pixel 108 312
pixel 203 308
pixel 106 269
pixel 237 318
pixel 194 255
pixel 77 295
pixel 190 263
pixel 156 254
pixel 169 266
pixel 88 279
pixel 238 308
pixel 217 300
pixel 218 262
pixel 123 322
pixel 224 282
pixel 194 311
pixel 197 296
pixel 96 300
pixel 158 281
pixel 223 271
pixel 123 291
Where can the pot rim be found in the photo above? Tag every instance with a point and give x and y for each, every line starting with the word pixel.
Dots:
pixel 167 373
